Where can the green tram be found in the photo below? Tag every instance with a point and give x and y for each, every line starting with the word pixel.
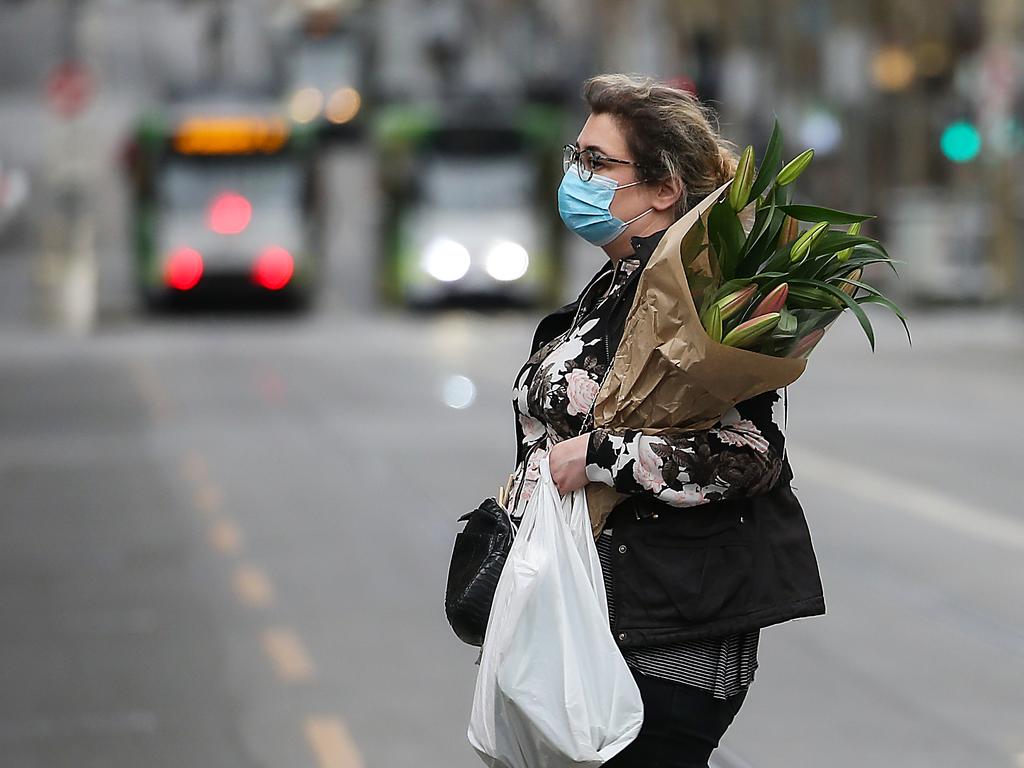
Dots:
pixel 225 202
pixel 468 204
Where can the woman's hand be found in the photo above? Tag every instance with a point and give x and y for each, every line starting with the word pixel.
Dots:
pixel 568 463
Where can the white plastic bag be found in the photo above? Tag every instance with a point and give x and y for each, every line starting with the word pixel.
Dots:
pixel 553 690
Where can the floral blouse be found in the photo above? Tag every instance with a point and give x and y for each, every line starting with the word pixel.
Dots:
pixel 555 392
pixel 553 395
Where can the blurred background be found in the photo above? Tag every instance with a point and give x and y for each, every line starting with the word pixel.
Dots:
pixel 269 267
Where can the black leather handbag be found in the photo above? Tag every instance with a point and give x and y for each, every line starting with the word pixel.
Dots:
pixel 477 559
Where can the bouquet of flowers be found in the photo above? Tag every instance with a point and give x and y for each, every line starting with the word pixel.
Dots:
pixel 723 313
pixel 776 289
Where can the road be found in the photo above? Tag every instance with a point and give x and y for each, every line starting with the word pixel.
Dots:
pixel 225 538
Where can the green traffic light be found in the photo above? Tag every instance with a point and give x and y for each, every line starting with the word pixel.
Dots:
pixel 961 142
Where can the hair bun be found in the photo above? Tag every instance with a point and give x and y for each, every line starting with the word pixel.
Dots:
pixel 727 163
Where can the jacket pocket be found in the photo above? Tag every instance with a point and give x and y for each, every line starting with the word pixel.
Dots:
pixel 675 578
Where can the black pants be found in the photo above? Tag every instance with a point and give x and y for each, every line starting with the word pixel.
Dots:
pixel 682 725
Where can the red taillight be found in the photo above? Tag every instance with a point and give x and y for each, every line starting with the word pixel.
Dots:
pixel 274 268
pixel 229 213
pixel 184 268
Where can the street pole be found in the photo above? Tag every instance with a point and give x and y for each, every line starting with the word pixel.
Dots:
pixel 1003 19
pixel 67 273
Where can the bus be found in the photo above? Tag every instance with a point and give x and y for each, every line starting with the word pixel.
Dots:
pixel 225 201
pixel 468 213
pixel 326 73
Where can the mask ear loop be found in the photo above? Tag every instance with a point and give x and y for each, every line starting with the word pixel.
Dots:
pixel 635 218
pixel 627 223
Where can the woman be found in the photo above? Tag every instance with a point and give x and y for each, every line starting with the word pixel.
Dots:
pixel 710 544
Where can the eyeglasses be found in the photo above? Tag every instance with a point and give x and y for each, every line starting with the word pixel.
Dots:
pixel 587 161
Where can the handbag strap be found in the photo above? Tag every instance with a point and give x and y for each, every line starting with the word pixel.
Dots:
pixel 589 418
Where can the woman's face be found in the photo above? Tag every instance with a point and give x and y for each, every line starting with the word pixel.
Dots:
pixel 602 134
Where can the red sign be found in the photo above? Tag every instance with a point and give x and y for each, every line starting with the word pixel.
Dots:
pixel 69 89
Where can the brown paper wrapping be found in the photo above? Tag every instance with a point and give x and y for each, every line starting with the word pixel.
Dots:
pixel 667 374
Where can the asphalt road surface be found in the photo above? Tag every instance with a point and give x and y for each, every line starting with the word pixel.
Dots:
pixel 224 539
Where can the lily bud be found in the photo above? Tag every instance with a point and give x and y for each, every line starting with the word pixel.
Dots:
pixel 747 333
pixel 844 254
pixel 714 324
pixel 794 168
pixel 735 302
pixel 806 241
pixel 789 231
pixel 773 302
pixel 739 192
pixel 804 346
pixel 848 289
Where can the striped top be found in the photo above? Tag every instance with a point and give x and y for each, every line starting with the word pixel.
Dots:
pixel 722 665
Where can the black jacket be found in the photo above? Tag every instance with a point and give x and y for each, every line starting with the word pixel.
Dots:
pixel 714 569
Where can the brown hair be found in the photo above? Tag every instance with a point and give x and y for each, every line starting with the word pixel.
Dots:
pixel 668 131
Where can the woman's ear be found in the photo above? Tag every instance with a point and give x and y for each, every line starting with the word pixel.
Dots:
pixel 666 193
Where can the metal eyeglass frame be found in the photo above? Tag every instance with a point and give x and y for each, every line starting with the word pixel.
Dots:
pixel 572 155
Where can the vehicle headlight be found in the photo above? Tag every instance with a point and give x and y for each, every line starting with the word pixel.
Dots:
pixel 507 260
pixel 306 104
pixel 446 260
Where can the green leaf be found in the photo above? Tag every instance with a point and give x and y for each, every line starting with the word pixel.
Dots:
pixel 860 261
pixel 782 196
pixel 872 247
pixel 779 260
pixel 771 164
pixel 728 236
pixel 818 213
pixel 758 248
pixel 787 322
pixel 862 317
pixel 879 299
pixel 811 319
pixel 728 287
pixel 866 286
pixel 833 242
pixel 761 220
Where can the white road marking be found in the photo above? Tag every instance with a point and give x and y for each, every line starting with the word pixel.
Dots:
pixel 936 507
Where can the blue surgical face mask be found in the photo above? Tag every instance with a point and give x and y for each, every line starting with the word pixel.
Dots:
pixel 585 207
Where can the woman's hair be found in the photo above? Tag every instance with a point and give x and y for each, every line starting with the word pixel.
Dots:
pixel 668 131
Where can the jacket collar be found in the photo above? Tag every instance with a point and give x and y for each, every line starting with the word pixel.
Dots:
pixel 643 247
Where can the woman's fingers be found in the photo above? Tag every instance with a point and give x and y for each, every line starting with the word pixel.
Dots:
pixel 567 462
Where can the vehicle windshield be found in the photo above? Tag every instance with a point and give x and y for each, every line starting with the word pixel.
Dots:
pixel 190 184
pixel 485 182
pixel 326 64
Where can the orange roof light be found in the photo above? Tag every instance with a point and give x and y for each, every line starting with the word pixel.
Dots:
pixel 230 136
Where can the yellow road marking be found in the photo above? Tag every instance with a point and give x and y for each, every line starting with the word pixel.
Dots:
pixel 331 743
pixel 253 587
pixel 209 499
pixel 288 655
pixel 225 537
